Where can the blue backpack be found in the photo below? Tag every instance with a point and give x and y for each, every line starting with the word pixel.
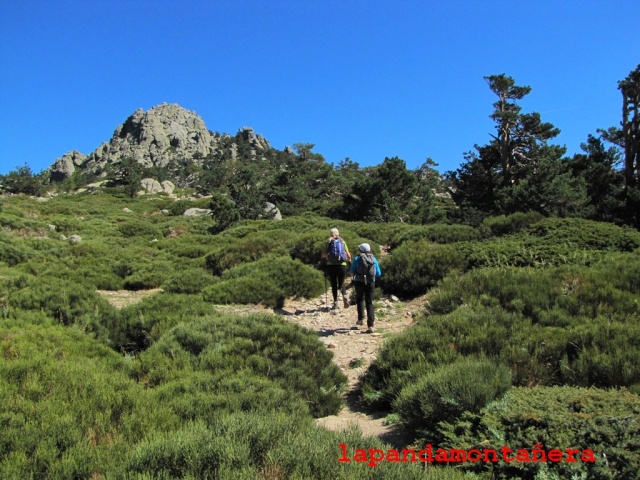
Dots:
pixel 336 252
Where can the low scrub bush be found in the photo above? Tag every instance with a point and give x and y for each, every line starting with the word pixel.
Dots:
pixel 508 224
pixel 432 344
pixel 586 234
pixel 246 290
pixel 12 251
pixel 381 233
pixel 525 291
pixel 268 447
pixel 68 407
pixel 141 324
pixel 178 207
pixel 415 267
pixel 439 233
pixel 143 268
pixel 189 281
pixel 308 247
pixel 269 347
pixel 444 394
pixel 67 224
pixel 553 242
pixel 188 246
pixel 139 228
pixel 604 422
pixel 526 251
pixel 66 302
pixel 268 281
pixel 535 355
pixel 151 275
pixel 247 249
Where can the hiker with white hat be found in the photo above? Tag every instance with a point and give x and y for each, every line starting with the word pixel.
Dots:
pixel 365 270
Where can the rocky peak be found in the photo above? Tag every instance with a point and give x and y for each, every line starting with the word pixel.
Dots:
pixel 164 135
pixel 157 137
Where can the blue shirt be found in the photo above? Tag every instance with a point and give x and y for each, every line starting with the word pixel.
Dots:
pixel 354 268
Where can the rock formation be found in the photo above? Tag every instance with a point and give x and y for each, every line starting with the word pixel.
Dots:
pixel 66 165
pixel 164 135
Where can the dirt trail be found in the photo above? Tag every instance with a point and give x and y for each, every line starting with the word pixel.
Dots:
pixel 353 350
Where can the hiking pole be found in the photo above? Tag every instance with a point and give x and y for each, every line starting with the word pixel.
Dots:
pixel 325 286
pixel 345 297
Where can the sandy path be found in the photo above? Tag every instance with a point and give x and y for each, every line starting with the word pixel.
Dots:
pixel 353 350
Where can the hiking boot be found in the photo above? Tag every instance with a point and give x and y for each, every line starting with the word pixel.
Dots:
pixel 335 305
pixel 370 330
pixel 360 323
pixel 346 302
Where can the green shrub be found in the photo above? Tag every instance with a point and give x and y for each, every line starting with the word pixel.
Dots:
pixel 178 207
pixel 605 422
pixel 68 408
pixel 401 361
pixel 414 267
pixel 187 246
pixel 380 233
pixel 148 276
pixel 12 252
pixel 525 291
pixel 268 281
pixel 246 290
pixel 552 242
pixel 508 224
pixel 144 267
pixel 189 281
pixel 269 347
pixel 248 249
pixel 444 394
pixel 68 303
pixel 141 324
pixel 567 325
pixel 438 233
pixel 249 445
pixel 586 234
pixel 139 228
pixel 66 224
pixel 309 246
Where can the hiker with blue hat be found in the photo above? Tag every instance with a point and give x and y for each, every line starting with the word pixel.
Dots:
pixel 365 270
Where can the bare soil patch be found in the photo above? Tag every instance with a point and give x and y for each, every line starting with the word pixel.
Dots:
pixel 124 298
pixel 353 350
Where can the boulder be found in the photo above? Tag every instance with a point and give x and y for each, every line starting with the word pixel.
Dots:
pixel 151 185
pixel 271 209
pixel 197 212
pixel 168 187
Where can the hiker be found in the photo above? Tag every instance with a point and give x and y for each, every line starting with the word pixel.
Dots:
pixel 365 270
pixel 337 255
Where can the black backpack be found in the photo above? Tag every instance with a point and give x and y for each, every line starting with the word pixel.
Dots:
pixel 366 269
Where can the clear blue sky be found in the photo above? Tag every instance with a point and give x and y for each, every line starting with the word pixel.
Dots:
pixel 361 79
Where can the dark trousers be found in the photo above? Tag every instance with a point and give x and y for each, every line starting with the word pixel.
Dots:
pixel 337 274
pixel 364 301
